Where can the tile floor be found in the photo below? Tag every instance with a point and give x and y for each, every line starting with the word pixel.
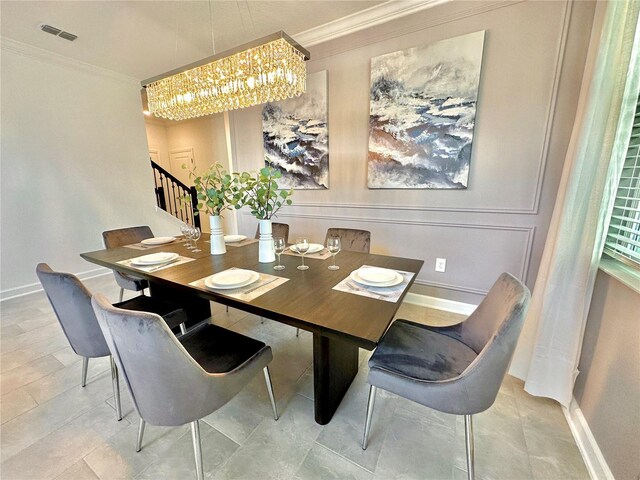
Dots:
pixel 53 428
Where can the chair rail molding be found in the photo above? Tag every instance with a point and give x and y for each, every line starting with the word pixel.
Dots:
pixel 526 250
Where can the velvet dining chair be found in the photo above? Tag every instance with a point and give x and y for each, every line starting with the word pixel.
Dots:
pixel 127 236
pixel 456 369
pixel 174 382
pixel 71 302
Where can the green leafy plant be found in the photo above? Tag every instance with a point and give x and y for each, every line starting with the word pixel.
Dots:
pixel 214 189
pixel 260 193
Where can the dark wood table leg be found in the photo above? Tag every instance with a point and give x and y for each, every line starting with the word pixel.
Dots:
pixel 198 309
pixel 335 364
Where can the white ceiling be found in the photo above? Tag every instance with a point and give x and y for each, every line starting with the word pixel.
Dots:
pixel 145 38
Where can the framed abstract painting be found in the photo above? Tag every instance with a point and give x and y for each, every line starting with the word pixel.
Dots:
pixel 296 138
pixel 422 114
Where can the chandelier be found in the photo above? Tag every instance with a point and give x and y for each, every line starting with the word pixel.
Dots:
pixel 265 70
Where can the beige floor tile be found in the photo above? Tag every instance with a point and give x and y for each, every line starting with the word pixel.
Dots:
pixel 27 373
pixel 78 471
pixel 53 454
pixel 15 403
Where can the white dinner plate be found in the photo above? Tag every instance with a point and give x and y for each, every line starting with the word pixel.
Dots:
pixel 377 275
pixel 235 278
pixel 154 259
pixel 157 240
pixel 313 248
pixel 392 283
pixel 234 238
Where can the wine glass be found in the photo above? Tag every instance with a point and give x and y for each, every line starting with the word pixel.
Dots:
pixel 278 247
pixel 302 246
pixel 186 231
pixel 195 235
pixel 333 245
pixel 184 228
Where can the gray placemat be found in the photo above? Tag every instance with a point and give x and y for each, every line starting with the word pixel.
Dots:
pixel 246 241
pixel 247 293
pixel 388 294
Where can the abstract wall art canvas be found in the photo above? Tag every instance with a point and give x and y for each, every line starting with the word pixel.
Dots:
pixel 296 139
pixel 422 114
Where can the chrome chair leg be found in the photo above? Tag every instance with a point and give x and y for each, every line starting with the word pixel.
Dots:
pixel 227 308
pixel 197 450
pixel 183 328
pixel 121 293
pixel 85 369
pixel 115 381
pixel 297 332
pixel 140 434
pixel 468 436
pixel 367 425
pixel 267 379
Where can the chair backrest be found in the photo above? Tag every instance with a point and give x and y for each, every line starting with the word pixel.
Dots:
pixel 492 331
pixel 71 301
pixel 168 387
pixel 351 240
pixel 125 236
pixel 277 230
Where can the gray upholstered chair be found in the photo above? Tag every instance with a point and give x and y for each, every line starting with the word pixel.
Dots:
pixel 178 382
pixel 277 230
pixel 119 238
pixel 457 369
pixel 71 302
pixel 351 239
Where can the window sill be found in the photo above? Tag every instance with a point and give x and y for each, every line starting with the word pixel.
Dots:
pixel 621 272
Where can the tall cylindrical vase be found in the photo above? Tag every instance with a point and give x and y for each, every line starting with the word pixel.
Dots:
pixel 265 243
pixel 217 238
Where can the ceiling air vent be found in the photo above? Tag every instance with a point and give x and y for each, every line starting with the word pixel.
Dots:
pixel 57 32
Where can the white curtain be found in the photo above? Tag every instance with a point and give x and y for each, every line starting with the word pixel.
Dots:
pixel 549 350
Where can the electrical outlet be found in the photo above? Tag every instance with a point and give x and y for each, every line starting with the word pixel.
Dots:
pixel 441 264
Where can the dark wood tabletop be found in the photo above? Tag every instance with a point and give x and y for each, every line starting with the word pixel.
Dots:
pixel 307 301
pixel 341 322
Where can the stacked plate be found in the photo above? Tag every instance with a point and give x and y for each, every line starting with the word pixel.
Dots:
pixel 313 248
pixel 229 279
pixel 157 240
pixel 154 259
pixel 234 238
pixel 377 277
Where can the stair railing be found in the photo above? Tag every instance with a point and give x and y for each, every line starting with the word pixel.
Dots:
pixel 169 192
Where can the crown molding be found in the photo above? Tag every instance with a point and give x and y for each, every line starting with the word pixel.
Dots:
pixel 366 18
pixel 46 56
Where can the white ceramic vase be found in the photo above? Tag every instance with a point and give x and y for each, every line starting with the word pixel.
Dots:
pixel 217 238
pixel 265 243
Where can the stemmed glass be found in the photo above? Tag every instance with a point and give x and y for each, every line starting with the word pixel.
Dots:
pixel 302 246
pixel 184 228
pixel 188 233
pixel 195 235
pixel 333 245
pixel 278 248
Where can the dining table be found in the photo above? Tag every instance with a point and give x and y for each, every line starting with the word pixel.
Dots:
pixel 341 321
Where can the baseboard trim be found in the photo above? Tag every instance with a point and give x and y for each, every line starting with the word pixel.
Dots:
pixel 440 303
pixel 591 454
pixel 15 292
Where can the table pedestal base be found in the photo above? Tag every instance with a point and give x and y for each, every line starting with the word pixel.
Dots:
pixel 335 364
pixel 198 309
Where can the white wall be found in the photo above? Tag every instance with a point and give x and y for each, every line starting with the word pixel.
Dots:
pixel 157 140
pixel 532 68
pixel 74 162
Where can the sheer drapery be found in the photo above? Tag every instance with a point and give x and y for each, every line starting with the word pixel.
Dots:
pixel 549 349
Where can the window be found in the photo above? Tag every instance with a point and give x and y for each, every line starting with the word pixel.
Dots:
pixel 623 237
